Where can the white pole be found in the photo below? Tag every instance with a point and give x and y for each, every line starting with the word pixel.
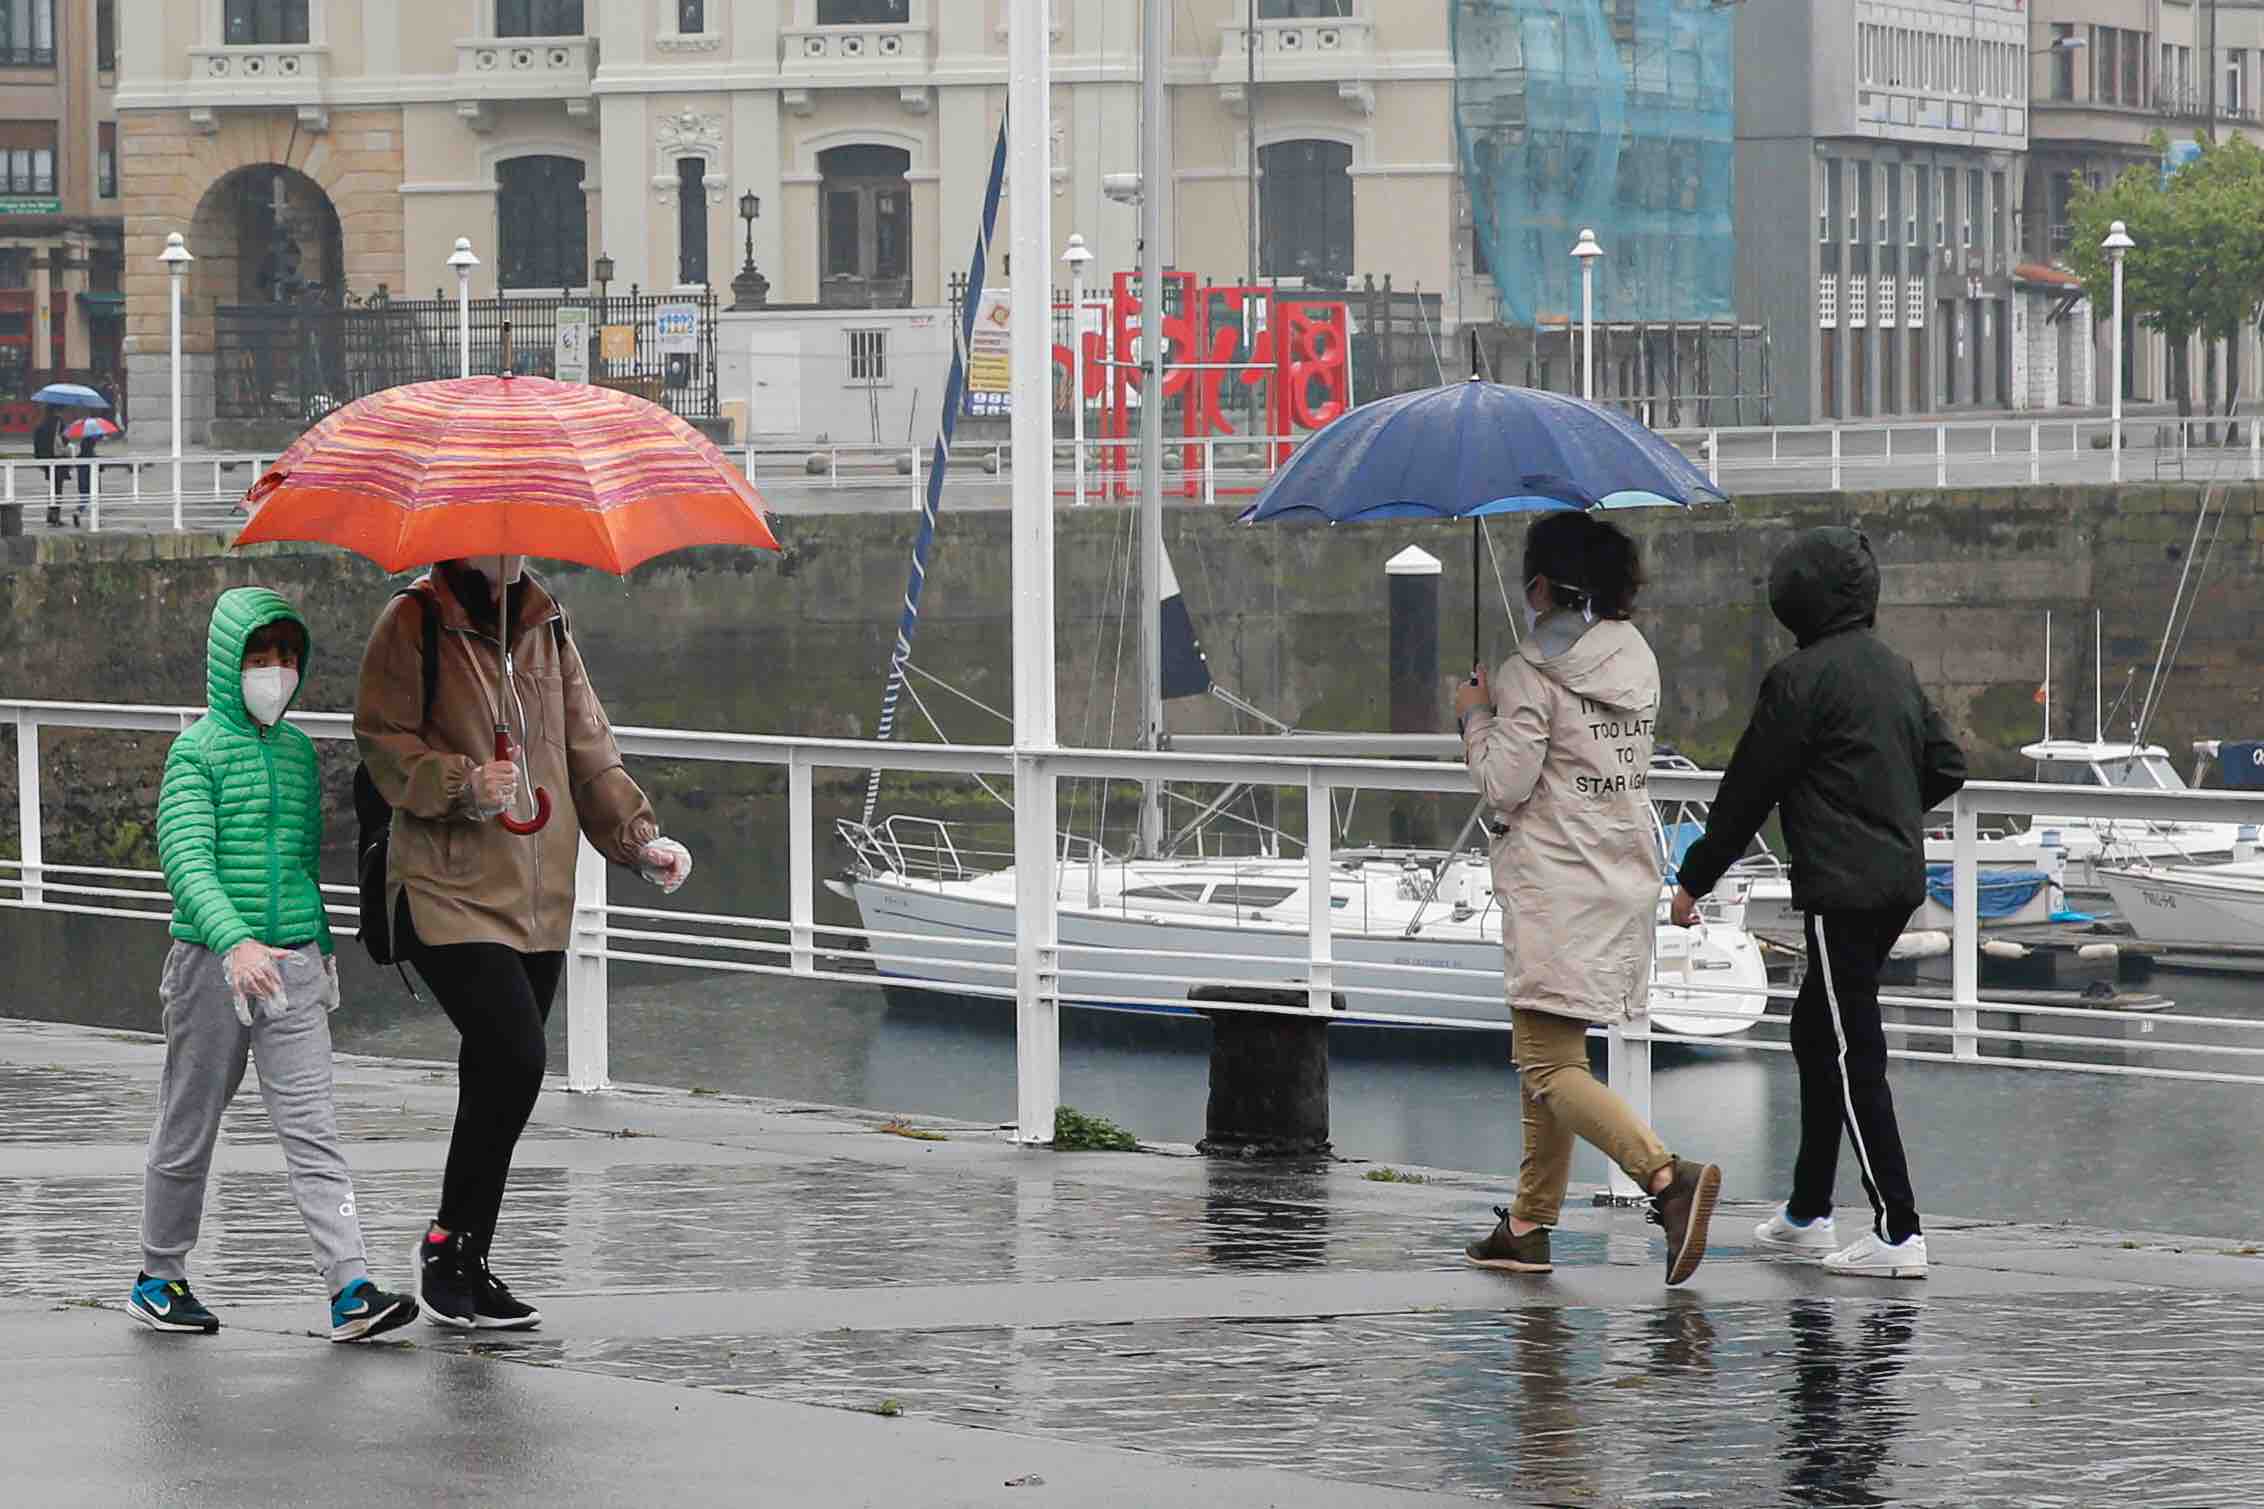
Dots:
pixel 176 259
pixel 1587 251
pixel 1077 256
pixel 1155 178
pixel 1037 1027
pixel 2118 242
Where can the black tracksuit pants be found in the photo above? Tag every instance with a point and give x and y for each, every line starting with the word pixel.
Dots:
pixel 500 1001
pixel 1842 1053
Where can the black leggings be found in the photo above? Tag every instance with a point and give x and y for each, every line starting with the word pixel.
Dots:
pixel 499 1000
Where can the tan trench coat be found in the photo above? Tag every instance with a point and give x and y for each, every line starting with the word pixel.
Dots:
pixel 1563 761
pixel 468 880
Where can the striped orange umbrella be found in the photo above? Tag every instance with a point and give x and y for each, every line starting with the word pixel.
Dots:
pixel 480 466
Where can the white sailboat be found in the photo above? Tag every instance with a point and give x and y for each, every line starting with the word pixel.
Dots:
pixel 2217 913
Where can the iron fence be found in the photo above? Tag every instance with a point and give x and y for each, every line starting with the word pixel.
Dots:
pixel 297 362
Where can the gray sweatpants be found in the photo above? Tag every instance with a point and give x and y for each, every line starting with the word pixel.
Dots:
pixel 205 1048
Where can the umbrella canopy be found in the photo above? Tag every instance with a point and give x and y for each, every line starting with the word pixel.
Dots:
pixel 480 466
pixel 1476 448
pixel 70 395
pixel 94 426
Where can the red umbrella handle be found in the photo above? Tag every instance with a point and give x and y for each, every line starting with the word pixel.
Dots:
pixel 541 819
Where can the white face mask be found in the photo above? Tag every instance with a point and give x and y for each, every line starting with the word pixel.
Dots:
pixel 267 691
pixel 1532 614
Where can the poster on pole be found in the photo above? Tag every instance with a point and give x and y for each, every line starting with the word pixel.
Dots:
pixel 990 357
pixel 573 358
pixel 618 343
pixel 676 329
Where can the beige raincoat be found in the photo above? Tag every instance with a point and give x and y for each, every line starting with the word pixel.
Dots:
pixel 1563 760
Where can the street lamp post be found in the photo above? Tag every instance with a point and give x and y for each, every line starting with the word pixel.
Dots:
pixel 2118 242
pixel 750 290
pixel 463 261
pixel 176 259
pixel 1587 250
pixel 1077 256
pixel 602 271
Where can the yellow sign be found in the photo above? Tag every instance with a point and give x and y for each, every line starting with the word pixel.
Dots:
pixel 990 357
pixel 618 343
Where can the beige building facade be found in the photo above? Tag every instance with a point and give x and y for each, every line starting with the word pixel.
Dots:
pixel 320 149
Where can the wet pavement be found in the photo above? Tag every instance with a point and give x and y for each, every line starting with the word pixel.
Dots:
pixel 759 1300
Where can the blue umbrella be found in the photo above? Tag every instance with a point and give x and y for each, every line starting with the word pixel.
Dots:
pixel 70 395
pixel 1476 448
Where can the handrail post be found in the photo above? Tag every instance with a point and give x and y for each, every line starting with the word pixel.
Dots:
pixel 93 495
pixel 30 849
pixel 2035 451
pixel 1320 910
pixel 1941 455
pixel 1210 472
pixel 1965 936
pixel 1835 458
pixel 586 1003
pixel 801 890
pixel 1714 457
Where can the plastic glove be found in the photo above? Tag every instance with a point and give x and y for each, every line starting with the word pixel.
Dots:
pixel 665 863
pixel 491 789
pixel 253 971
pixel 330 996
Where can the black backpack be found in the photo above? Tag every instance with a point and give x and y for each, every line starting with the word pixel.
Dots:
pixel 373 814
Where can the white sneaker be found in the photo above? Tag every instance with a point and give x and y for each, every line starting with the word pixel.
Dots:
pixel 1870 1257
pixel 1811 1239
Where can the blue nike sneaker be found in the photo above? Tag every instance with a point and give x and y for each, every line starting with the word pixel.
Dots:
pixel 165 1304
pixel 361 1311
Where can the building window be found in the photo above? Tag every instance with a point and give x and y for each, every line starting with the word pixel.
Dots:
pixel 265 23
pixel 1823 202
pixel 1997 210
pixel 29 150
pixel 1910 206
pixel 106 35
pixel 1859 208
pixel 1304 10
pixel 106 160
pixel 1882 193
pixel 1827 302
pixel 542 223
pixel 538 18
pixel 1973 218
pixel 1945 194
pixel 865 226
pixel 2236 99
pixel 691 220
pixel 27 33
pixel 864 12
pixel 868 357
pixel 1305 207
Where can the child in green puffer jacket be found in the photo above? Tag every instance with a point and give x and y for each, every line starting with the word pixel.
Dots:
pixel 251 972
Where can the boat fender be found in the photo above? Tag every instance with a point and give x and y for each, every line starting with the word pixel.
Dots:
pixel 1921 943
pixel 1997 948
pixel 2099 953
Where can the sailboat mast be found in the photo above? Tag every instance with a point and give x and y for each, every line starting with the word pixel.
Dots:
pixel 2047 675
pixel 2098 677
pixel 1154 174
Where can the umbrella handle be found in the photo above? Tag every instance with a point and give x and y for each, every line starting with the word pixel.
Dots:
pixel 541 819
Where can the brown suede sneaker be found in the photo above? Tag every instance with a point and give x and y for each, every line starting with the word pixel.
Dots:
pixel 1511 1254
pixel 1686 1208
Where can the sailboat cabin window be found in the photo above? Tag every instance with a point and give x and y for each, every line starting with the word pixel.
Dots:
pixel 1192 892
pixel 1251 898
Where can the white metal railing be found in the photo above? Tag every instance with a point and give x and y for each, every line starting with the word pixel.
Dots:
pixel 141 492
pixel 1967 1028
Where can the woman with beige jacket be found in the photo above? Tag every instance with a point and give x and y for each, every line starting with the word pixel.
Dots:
pixel 483 913
pixel 1559 743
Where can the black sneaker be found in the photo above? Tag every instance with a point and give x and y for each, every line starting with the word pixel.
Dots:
pixel 445 1287
pixel 1512 1254
pixel 496 1309
pixel 165 1304
pixel 361 1311
pixel 1685 1208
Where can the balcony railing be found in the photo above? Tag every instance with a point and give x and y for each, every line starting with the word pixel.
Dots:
pixel 284 73
pixel 527 67
pixel 1339 50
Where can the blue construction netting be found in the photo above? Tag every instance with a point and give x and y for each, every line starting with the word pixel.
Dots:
pixel 1615 115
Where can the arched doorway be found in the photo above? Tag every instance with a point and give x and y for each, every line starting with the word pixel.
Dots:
pixel 865 227
pixel 270 274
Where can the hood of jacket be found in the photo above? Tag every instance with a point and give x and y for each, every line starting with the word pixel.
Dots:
pixel 241 613
pixel 1825 582
pixel 1610 664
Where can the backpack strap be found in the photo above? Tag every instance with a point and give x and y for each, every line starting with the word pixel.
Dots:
pixel 431 635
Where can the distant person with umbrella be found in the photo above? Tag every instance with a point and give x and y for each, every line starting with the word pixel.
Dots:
pixel 87 432
pixel 473 687
pixel 47 445
pixel 1559 744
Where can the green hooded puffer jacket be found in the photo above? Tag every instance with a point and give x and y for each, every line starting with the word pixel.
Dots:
pixel 239 817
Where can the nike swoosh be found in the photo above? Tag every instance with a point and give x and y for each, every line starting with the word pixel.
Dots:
pixel 161 1307
pixel 361 1307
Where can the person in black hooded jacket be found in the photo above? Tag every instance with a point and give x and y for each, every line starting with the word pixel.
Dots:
pixel 1844 743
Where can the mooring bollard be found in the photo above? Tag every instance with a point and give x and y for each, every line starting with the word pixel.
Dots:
pixel 1269 1076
